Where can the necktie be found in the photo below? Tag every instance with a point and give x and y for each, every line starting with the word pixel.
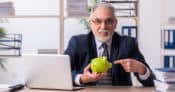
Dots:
pixel 105 50
pixel 107 80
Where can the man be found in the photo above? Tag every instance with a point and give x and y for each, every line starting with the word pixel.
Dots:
pixel 123 52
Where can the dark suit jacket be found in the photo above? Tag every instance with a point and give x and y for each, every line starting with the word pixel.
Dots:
pixel 82 49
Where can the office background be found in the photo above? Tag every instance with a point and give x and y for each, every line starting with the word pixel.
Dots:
pixel 40 22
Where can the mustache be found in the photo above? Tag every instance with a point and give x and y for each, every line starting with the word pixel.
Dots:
pixel 104 31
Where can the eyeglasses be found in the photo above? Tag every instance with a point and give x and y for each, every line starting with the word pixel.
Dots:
pixel 108 21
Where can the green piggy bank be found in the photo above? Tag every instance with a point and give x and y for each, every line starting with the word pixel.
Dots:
pixel 100 65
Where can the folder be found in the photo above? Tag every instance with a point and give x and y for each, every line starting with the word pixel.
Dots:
pixel 169 38
pixel 169 61
pixel 166 62
pixel 165 38
pixel 130 31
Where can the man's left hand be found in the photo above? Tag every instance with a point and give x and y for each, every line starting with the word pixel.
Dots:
pixel 132 65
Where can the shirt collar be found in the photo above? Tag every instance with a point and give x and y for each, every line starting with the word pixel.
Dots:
pixel 99 43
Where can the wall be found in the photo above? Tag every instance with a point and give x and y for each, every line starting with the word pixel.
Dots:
pixel 39 26
pixel 150 31
pixel 149 36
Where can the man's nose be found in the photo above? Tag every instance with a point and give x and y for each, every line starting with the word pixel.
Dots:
pixel 103 25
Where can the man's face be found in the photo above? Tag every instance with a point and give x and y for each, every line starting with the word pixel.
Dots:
pixel 103 23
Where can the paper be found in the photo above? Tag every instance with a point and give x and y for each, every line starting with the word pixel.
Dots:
pixel 4 87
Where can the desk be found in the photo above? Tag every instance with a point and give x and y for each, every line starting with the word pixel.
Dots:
pixel 100 89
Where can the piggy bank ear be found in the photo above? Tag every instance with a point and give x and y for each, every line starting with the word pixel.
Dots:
pixel 104 58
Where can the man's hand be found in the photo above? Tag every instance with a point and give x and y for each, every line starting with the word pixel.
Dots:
pixel 87 76
pixel 132 65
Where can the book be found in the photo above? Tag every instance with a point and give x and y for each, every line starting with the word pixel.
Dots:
pixel 164 86
pixel 166 70
pixel 7 9
pixel 165 74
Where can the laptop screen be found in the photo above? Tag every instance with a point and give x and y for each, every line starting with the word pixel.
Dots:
pixel 48 71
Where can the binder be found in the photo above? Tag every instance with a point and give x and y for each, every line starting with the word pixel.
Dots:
pixel 130 31
pixel 173 61
pixel 166 62
pixel 169 61
pixel 169 38
pixel 166 38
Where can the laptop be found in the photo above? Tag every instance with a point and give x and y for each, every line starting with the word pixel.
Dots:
pixel 44 71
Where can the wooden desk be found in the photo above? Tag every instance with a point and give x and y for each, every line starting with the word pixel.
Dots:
pixel 100 89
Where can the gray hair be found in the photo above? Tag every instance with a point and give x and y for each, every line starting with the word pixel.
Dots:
pixel 107 5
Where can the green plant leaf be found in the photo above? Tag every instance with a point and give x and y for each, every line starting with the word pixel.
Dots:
pixel 2 33
pixel 85 23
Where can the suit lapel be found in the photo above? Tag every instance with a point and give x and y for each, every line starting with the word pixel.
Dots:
pixel 92 46
pixel 114 47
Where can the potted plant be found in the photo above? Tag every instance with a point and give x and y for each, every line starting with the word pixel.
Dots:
pixel 84 21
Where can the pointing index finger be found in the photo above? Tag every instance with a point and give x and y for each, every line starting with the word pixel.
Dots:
pixel 121 61
pixel 118 62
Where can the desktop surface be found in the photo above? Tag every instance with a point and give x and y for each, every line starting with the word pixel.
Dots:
pixel 99 89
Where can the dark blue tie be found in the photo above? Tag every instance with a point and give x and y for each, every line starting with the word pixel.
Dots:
pixel 107 80
pixel 105 50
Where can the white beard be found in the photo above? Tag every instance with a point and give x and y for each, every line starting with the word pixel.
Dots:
pixel 104 39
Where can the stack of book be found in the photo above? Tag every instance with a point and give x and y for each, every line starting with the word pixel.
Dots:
pixel 11 45
pixel 77 8
pixel 7 9
pixel 165 79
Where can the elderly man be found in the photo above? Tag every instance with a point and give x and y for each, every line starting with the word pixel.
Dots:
pixel 122 51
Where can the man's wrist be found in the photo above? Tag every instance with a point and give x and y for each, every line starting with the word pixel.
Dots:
pixel 146 75
pixel 78 79
pixel 143 71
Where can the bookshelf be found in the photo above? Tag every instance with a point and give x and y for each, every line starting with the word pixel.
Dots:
pixel 57 11
pixel 37 22
pixel 167 34
pixel 127 9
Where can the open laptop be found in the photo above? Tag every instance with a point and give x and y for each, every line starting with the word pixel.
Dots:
pixel 45 71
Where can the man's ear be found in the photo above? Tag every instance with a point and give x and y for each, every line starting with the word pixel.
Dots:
pixel 89 24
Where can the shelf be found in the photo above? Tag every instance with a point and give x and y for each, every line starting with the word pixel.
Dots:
pixel 120 1
pixel 10 45
pixel 125 8
pixel 31 16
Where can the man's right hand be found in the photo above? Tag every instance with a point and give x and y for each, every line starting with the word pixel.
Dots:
pixel 87 76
